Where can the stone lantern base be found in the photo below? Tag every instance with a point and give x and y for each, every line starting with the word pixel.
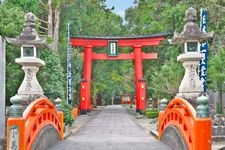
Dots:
pixel 191 87
pixel 30 88
pixel 190 97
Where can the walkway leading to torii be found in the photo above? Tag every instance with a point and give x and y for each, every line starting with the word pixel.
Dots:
pixel 111 129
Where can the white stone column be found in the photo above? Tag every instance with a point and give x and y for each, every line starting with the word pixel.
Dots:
pixel 191 86
pixel 2 87
pixel 30 85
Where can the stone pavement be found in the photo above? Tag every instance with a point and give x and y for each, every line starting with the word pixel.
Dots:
pixel 113 128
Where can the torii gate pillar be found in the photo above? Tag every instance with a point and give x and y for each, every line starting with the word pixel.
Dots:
pixel 140 87
pixel 86 84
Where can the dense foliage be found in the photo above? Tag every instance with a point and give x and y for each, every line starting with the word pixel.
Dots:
pixel 92 17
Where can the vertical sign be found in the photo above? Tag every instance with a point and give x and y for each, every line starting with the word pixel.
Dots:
pixel 69 70
pixel 2 87
pixel 113 48
pixel 14 138
pixel 204 50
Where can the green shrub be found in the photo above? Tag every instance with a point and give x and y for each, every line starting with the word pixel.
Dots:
pixel 67 109
pixel 144 112
pixel 151 113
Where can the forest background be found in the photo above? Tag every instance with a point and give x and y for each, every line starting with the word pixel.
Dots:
pixel 93 17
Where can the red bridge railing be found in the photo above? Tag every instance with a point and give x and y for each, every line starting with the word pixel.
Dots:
pixel 37 115
pixel 196 132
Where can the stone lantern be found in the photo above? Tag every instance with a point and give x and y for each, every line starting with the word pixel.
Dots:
pixel 191 37
pixel 29 43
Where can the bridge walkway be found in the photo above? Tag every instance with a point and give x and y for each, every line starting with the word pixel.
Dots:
pixel 113 128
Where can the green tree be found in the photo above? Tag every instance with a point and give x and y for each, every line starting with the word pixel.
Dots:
pixel 160 16
pixel 11 20
pixel 11 24
pixel 166 81
pixel 25 5
pixel 216 73
pixel 51 76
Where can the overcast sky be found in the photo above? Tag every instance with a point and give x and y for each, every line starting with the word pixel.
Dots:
pixel 119 5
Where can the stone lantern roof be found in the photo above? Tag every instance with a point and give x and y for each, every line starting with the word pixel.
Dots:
pixel 29 34
pixel 191 30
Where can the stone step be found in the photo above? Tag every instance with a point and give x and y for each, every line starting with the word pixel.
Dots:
pixel 218 130
pixel 154 133
pixel 218 138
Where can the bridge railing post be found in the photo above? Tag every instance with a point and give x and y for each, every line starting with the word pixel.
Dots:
pixel 202 108
pixel 162 104
pixel 16 124
pixel 59 108
pixel 58 104
pixel 203 125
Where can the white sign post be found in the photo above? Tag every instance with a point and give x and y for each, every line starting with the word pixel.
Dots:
pixel 2 87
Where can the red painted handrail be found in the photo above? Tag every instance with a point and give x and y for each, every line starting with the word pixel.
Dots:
pixel 37 115
pixel 196 132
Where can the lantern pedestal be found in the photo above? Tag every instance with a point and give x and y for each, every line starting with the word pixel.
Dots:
pixel 191 86
pixel 30 88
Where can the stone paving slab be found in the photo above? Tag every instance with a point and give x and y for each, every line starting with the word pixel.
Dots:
pixel 111 129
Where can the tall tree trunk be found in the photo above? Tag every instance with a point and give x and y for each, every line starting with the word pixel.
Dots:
pixel 50 16
pixel 55 45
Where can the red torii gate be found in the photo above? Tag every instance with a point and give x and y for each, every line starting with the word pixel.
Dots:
pixel 137 42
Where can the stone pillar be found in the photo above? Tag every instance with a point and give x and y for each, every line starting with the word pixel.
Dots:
pixel 2 88
pixel 30 85
pixel 191 86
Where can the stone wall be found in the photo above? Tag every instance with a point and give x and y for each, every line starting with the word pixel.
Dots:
pixel 218 133
pixel 173 138
pixel 47 137
pixel 213 97
pixel 2 144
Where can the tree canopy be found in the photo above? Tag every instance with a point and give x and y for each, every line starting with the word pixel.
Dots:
pixel 92 17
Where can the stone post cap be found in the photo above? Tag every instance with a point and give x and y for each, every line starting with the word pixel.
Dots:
pixel 58 100
pixel 202 100
pixel 203 108
pixel 30 17
pixel 191 30
pixel 29 34
pixel 190 15
pixel 16 109
pixel 16 99
pixel 58 105
pixel 163 103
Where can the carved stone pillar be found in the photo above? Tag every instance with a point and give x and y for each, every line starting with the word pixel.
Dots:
pixel 191 86
pixel 30 85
